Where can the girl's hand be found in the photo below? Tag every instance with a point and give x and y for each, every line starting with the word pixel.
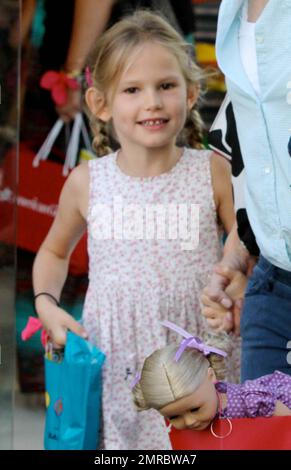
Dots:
pixel 57 321
pixel 218 316
pixel 216 304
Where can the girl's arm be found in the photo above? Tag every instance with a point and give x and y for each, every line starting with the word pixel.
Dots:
pixel 232 279
pixel 222 191
pixel 222 296
pixel 51 263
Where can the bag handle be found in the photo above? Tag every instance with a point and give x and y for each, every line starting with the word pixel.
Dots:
pixel 85 135
pixel 46 147
pixel 73 144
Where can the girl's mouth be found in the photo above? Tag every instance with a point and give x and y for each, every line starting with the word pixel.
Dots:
pixel 153 123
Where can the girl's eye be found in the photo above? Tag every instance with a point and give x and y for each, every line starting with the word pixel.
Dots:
pixel 167 86
pixel 131 90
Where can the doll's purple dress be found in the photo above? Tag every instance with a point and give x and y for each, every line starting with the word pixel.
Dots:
pixel 256 397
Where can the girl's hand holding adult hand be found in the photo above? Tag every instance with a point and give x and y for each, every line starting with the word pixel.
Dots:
pixel 223 299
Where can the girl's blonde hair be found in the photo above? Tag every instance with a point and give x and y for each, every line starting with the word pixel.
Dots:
pixel 111 56
pixel 163 380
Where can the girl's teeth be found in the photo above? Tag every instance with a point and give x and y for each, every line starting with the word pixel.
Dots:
pixel 153 123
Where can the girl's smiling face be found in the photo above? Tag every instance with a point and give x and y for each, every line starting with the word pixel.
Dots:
pixel 197 410
pixel 150 102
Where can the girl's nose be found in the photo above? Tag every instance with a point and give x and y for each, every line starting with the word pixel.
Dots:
pixel 153 100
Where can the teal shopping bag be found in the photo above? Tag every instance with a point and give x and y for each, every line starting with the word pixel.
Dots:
pixel 73 396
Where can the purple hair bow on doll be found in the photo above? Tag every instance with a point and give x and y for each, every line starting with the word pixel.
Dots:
pixel 191 341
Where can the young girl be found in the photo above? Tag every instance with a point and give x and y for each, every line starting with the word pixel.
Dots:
pixel 141 207
pixel 183 387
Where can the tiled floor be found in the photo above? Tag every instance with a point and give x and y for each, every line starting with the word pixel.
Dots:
pixel 29 413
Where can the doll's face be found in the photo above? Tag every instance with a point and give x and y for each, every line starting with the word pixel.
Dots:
pixel 197 410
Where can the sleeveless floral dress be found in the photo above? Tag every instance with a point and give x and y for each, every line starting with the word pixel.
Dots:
pixel 143 270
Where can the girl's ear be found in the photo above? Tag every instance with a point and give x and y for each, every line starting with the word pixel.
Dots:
pixel 97 104
pixel 211 375
pixel 192 96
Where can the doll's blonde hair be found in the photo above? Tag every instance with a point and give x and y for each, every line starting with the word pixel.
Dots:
pixel 163 380
pixel 111 56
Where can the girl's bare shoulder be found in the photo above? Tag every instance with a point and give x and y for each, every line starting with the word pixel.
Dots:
pixel 77 187
pixel 79 177
pixel 219 163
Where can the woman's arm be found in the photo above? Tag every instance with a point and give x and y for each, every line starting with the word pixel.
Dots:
pixel 51 263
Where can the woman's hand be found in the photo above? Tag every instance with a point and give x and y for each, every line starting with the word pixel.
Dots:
pixel 73 105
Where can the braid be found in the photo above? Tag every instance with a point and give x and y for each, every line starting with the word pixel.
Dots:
pixel 138 398
pixel 101 141
pixel 222 341
pixel 192 134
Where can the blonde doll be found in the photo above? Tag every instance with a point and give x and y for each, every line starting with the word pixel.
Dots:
pixel 181 384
